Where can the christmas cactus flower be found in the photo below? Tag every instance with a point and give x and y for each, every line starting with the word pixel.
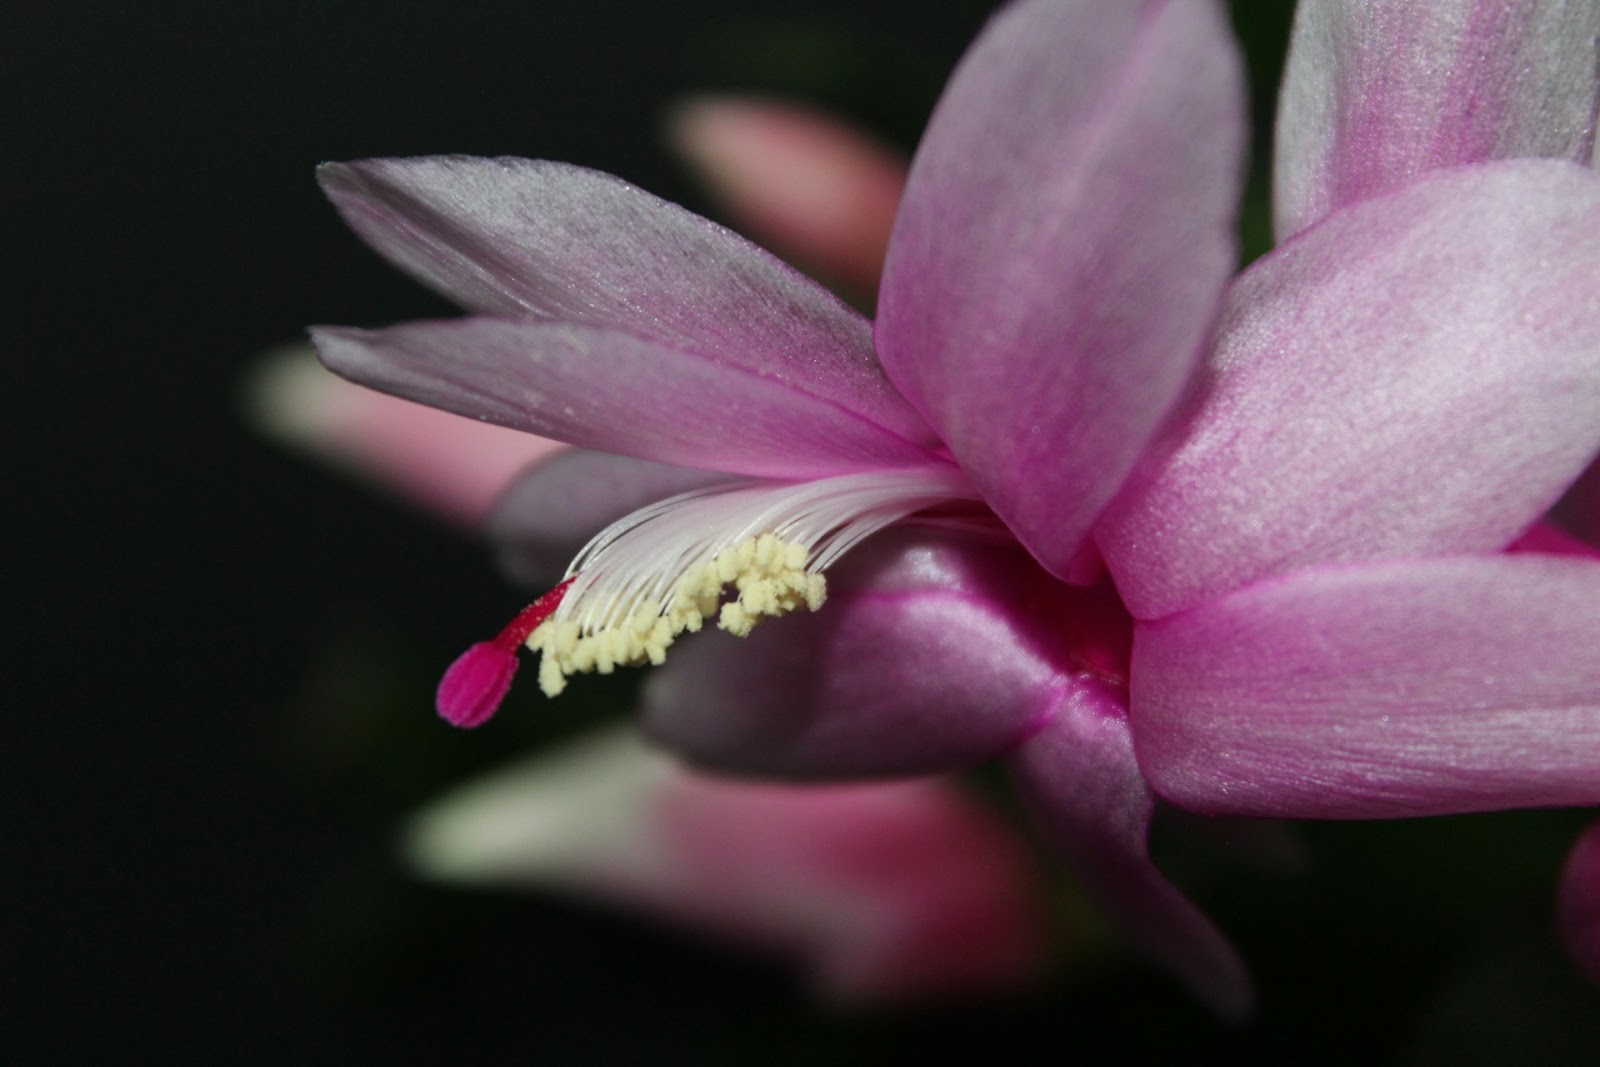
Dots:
pixel 1239 544
pixel 879 892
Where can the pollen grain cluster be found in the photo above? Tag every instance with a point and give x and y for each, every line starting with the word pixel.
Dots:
pixel 767 574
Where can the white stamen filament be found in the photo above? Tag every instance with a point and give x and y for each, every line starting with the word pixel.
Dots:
pixel 663 570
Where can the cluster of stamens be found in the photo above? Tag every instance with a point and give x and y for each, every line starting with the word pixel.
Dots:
pixel 767 574
pixel 732 555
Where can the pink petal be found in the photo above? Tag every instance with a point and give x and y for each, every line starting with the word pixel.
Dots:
pixel 1421 687
pixel 449 464
pixel 1580 903
pixel 802 181
pixel 552 510
pixel 612 391
pixel 1420 374
pixel 1376 93
pixel 519 237
pixel 882 892
pixel 921 660
pixel 1080 778
pixel 1065 234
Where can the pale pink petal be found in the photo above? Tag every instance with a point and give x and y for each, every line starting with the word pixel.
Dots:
pixel 882 892
pixel 806 184
pixel 1080 778
pixel 1066 231
pixel 1580 903
pixel 602 389
pixel 519 237
pixel 452 465
pixel 1419 687
pixel 925 657
pixel 1378 91
pixel 1420 374
pixel 554 508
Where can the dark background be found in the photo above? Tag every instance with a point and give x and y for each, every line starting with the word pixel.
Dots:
pixel 225 652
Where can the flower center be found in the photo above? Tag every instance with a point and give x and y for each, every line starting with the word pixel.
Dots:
pixel 735 555
pixel 1097 630
pixel 768 575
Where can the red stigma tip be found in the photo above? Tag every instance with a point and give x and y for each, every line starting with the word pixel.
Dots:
pixel 471 690
pixel 474 685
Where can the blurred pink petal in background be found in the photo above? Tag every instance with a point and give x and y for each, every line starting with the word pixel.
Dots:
pixel 449 465
pixel 813 187
pixel 879 892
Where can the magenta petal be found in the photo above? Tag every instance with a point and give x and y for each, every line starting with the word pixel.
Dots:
pixel 1066 231
pixel 1080 778
pixel 1421 687
pixel 916 663
pixel 520 237
pixel 1418 375
pixel 1376 93
pixel 1546 538
pixel 1580 903
pixel 612 391
pixel 554 507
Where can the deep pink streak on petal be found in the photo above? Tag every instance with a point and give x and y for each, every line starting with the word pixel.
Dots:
pixel 1065 233
pixel 1580 903
pixel 1417 687
pixel 608 390
pixel 1419 374
pixel 808 184
pixel 1548 539
pixel 1376 93
pixel 529 238
pixel 1079 777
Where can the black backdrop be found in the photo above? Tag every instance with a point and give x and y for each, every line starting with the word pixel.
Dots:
pixel 202 783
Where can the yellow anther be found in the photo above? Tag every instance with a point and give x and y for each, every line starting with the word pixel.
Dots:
pixel 768 576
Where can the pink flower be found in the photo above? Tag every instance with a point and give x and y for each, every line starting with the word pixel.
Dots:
pixel 1301 510
pixel 879 893
pixel 884 892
